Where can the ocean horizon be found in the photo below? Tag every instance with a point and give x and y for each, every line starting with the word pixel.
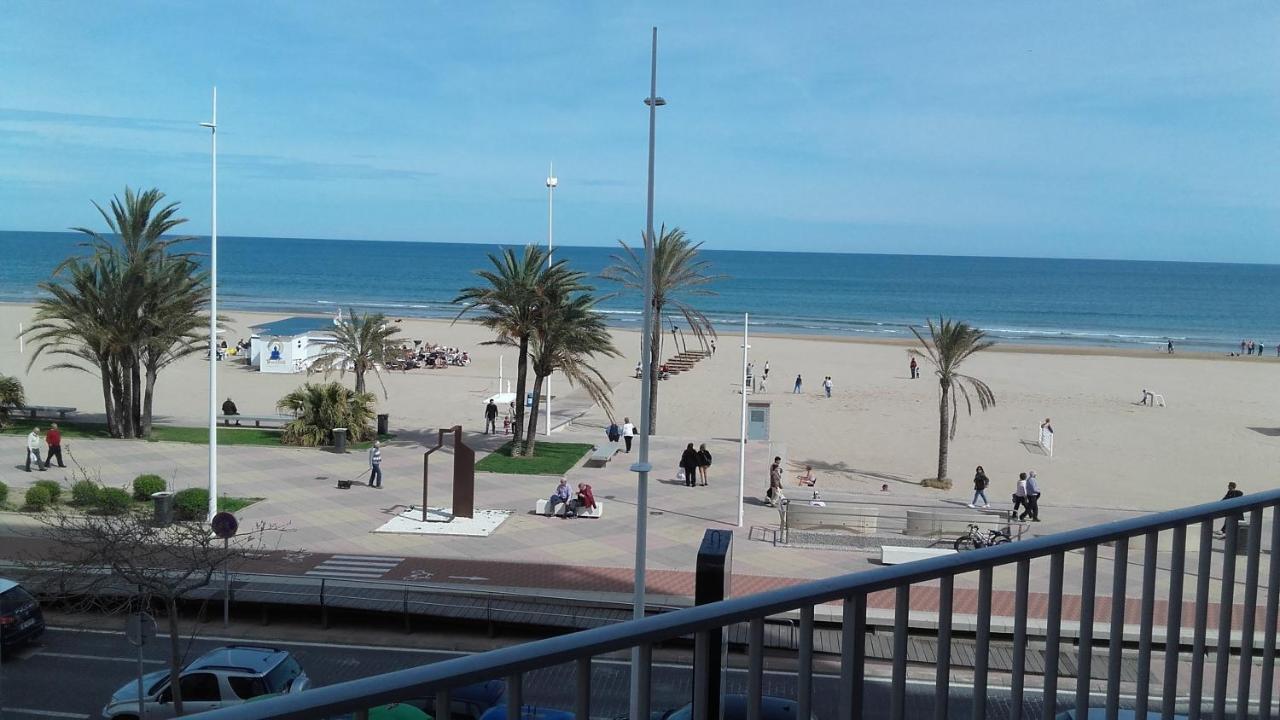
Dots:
pixel 1131 304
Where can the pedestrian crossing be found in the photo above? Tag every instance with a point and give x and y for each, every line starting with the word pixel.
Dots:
pixel 356 567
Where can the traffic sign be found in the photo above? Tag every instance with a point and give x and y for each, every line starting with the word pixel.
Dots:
pixel 224 525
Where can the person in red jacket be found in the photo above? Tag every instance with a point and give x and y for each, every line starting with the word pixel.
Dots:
pixel 53 439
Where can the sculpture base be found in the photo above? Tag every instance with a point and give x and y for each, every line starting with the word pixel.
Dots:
pixel 440 521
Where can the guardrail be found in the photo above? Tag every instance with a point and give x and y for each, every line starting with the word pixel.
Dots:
pixel 853 590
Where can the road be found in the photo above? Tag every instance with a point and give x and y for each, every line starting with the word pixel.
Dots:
pixel 72 672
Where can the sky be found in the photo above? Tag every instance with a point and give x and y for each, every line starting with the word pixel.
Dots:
pixel 1099 130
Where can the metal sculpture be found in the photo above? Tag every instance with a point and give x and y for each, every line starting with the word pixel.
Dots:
pixel 464 474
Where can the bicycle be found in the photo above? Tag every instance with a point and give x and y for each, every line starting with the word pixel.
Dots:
pixel 974 539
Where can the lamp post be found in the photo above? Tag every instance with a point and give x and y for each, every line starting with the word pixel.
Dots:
pixel 742 436
pixel 213 318
pixel 552 182
pixel 639 685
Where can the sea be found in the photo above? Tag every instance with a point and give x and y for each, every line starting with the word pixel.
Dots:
pixel 1027 301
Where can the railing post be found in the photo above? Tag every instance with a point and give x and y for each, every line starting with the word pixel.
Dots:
pixel 942 682
pixel 1150 546
pixel 1053 637
pixel 1084 656
pixel 1017 674
pixel 1273 609
pixel 444 708
pixel 1203 569
pixel 1223 657
pixel 1115 639
pixel 643 682
pixel 804 693
pixel 582 698
pixel 702 693
pixel 515 695
pixel 1248 612
pixel 755 667
pixel 983 645
pixel 1173 630
pixel 898 688
pixel 853 650
pixel 324 608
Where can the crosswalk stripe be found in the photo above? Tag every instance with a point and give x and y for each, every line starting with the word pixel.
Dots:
pixel 343 573
pixel 357 563
pixel 367 557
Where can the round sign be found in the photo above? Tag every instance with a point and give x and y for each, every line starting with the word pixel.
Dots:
pixel 140 628
pixel 224 525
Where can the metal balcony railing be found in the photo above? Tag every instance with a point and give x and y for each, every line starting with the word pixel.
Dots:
pixel 1213 660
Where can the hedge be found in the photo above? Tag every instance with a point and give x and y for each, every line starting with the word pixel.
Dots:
pixel 145 485
pixel 191 504
pixel 4 494
pixel 113 501
pixel 85 493
pixel 38 498
pixel 52 487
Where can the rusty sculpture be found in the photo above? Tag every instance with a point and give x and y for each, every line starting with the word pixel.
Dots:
pixel 464 474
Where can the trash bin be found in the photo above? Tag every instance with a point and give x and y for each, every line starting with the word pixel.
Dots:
pixel 340 440
pixel 163 504
pixel 383 421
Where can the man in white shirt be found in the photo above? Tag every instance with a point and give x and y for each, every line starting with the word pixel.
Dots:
pixel 628 432
pixel 33 449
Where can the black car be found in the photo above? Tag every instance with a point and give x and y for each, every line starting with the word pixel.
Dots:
pixel 20 617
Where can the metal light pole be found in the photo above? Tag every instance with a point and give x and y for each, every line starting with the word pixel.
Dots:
pixel 639 688
pixel 742 437
pixel 213 320
pixel 551 188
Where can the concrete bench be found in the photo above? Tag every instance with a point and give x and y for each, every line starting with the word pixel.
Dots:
pixel 34 411
pixel 603 454
pixel 540 508
pixel 279 420
pixel 897 555
pixel 799 514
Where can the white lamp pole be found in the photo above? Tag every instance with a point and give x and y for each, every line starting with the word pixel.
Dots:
pixel 213 319
pixel 742 436
pixel 639 695
pixel 551 188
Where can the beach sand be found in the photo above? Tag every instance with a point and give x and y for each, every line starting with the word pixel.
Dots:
pixel 1222 421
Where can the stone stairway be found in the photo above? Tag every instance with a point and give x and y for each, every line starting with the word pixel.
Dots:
pixel 685 361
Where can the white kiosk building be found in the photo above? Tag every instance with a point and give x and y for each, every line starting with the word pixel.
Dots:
pixel 289 345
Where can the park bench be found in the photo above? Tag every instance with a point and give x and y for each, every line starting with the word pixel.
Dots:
pixel 799 514
pixel 603 454
pixel 897 555
pixel 257 419
pixel 540 508
pixel 34 411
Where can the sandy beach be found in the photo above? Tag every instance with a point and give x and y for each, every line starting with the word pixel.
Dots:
pixel 879 427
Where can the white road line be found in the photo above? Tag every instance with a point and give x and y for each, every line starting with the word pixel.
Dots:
pixel 467 577
pixel 74 656
pixel 367 557
pixel 348 574
pixel 354 564
pixel 42 713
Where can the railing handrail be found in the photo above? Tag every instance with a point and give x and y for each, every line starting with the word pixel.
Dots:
pixel 368 692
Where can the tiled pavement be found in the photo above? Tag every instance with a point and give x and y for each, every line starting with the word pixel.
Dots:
pixel 333 527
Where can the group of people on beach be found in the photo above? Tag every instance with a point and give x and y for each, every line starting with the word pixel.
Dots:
pixel 1251 347
pixel 1026 494
pixel 53 448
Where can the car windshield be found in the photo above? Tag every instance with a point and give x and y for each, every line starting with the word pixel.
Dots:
pixel 282 675
pixel 14 598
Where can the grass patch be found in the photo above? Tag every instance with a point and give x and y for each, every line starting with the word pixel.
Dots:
pixel 548 459
pixel 235 504
pixel 265 437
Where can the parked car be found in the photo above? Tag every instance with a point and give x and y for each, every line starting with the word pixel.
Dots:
pixel 528 712
pixel 21 620
pixel 735 708
pixel 1101 714
pixel 468 702
pixel 227 676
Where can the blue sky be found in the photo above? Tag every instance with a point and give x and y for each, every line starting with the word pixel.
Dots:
pixel 1111 130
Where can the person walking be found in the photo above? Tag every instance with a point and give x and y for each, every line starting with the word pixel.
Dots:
pixel 1170 347
pixel 628 432
pixel 915 368
pixel 375 465
pixel 774 494
pixel 980 484
pixel 33 449
pixel 826 385
pixel 1032 500
pixel 796 389
pixel 53 443
pixel 491 417
pixel 704 462
pixel 689 464
pixel 1019 496
pixel 613 432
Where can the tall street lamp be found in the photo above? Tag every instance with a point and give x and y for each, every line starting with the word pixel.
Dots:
pixel 213 319
pixel 552 182
pixel 639 665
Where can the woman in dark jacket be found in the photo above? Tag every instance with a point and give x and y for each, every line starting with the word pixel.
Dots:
pixel 980 483
pixel 704 462
pixel 689 463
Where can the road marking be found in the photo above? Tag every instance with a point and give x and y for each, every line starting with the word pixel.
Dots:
pixel 43 713
pixel 74 656
pixel 368 557
pixel 467 577
pixel 355 567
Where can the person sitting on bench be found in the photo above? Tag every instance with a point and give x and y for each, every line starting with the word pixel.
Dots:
pixel 808 478
pixel 229 408
pixel 559 497
pixel 583 500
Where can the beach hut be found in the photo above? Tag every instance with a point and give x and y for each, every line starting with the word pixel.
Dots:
pixel 289 345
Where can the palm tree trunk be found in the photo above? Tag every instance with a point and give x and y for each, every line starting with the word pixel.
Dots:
pixel 522 378
pixel 359 371
pixel 135 398
pixel 147 398
pixel 944 433
pixel 655 366
pixel 119 409
pixel 108 407
pixel 531 439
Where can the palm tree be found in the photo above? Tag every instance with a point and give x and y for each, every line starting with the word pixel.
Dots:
pixel 362 342
pixel 510 302
pixel 321 408
pixel 677 274
pixel 569 334
pixel 948 345
pixel 11 395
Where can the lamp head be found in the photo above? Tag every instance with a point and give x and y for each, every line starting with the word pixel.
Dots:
pixel 552 182
pixel 209 125
pixel 655 101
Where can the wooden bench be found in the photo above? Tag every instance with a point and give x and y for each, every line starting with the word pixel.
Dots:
pixel 34 411
pixel 279 420
pixel 540 508
pixel 603 454
pixel 897 555
pixel 800 514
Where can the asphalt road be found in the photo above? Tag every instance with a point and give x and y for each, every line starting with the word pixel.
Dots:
pixel 72 672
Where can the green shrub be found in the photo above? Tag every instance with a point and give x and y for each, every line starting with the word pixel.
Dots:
pixel 145 485
pixel 113 501
pixel 4 494
pixel 191 504
pixel 85 493
pixel 52 487
pixel 38 498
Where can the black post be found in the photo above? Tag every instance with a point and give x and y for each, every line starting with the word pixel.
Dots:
pixel 711 584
